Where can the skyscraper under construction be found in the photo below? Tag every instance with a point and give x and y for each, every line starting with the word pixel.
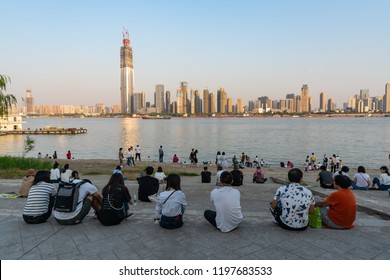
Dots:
pixel 127 75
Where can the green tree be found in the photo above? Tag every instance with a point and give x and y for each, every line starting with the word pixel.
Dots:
pixel 29 145
pixel 6 100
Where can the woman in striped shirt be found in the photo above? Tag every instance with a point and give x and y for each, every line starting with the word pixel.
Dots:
pixel 40 199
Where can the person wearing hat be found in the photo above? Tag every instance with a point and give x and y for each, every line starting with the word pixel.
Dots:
pixel 27 183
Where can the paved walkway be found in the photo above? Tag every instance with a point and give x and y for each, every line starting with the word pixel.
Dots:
pixel 140 238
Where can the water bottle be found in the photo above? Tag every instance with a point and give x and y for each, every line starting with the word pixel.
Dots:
pixel 135 200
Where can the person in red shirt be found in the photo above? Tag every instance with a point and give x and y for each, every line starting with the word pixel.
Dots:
pixel 338 210
pixel 68 155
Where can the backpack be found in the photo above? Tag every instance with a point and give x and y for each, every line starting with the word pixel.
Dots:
pixel 67 196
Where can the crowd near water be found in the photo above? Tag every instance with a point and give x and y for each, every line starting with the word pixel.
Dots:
pixel 357 141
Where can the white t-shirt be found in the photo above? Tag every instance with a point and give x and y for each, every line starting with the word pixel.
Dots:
pixel 85 190
pixel 55 174
pixel 219 176
pixel 227 205
pixel 65 177
pixel 175 205
pixel 160 176
pixel 384 179
pixel 362 179
pixel 137 150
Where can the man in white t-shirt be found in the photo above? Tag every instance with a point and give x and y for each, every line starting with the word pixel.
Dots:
pixel 88 197
pixel 227 205
pixel 138 153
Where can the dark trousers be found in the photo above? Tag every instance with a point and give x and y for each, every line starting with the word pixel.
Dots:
pixel 42 218
pixel 171 222
pixel 210 217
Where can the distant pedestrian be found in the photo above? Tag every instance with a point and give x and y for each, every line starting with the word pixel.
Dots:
pixel 175 158
pixel 138 153
pixel 161 154
pixel 55 155
pixel 121 156
pixel 68 155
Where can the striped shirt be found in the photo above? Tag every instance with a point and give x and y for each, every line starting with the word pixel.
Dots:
pixel 38 199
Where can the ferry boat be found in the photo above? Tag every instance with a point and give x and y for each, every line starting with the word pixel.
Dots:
pixel 158 117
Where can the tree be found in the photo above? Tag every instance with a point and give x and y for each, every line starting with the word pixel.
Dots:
pixel 6 100
pixel 29 145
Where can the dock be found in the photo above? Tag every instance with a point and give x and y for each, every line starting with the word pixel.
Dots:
pixel 48 131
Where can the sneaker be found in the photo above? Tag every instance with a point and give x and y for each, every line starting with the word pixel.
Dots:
pixel 129 215
pixel 153 198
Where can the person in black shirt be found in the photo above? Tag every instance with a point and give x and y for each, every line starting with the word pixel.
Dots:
pixel 147 185
pixel 206 175
pixel 237 176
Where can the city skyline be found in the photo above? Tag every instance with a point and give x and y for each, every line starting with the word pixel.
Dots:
pixel 67 52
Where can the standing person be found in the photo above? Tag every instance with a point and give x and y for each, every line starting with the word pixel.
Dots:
pixel 292 203
pixel 127 156
pixel 27 182
pixel 227 215
pixel 175 159
pixel 325 160
pixel 147 186
pixel 361 180
pixel 138 153
pixel 171 204
pixel 237 176
pixel 338 210
pixel 40 199
pixel 121 156
pixel 383 182
pixel 218 158
pixel 69 155
pixel 131 156
pixel 325 178
pixel 192 156
pixel 161 154
pixel 115 204
pixel 196 156
pixel 224 160
pixel 258 176
pixel 313 159
pixel 55 173
pixel 206 175
pixel 88 198
pixel 55 155
pixel 333 164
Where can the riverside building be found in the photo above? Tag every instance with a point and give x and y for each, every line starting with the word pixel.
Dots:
pixel 127 75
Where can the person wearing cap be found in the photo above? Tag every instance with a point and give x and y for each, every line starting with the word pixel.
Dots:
pixel 27 183
pixel 40 199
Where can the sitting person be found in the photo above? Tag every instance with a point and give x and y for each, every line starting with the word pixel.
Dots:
pixel 160 175
pixel 175 158
pixel 206 175
pixel 338 210
pixel 66 173
pixel 344 171
pixel 325 178
pixel 147 185
pixel 293 203
pixel 218 174
pixel 171 204
pixel 227 215
pixel 361 180
pixel 115 203
pixel 27 182
pixel 383 182
pixel 89 197
pixel 118 170
pixel 40 199
pixel 237 176
pixel 55 173
pixel 258 176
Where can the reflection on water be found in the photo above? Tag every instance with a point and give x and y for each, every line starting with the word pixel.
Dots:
pixel 363 141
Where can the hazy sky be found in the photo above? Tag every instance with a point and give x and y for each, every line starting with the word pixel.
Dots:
pixel 67 52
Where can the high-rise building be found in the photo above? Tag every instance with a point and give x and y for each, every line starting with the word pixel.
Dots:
pixel 212 103
pixel 239 106
pixel 184 94
pixel 323 101
pixel 229 105
pixel 221 101
pixel 305 102
pixel 159 102
pixel 127 75
pixel 192 102
pixel 168 102
pixel 386 99
pixel 29 102
pixel 206 101
pixel 137 102
pixel 198 102
pixel 291 102
pixel 179 102
pixel 331 105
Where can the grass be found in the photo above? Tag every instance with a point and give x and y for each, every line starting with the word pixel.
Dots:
pixel 182 173
pixel 16 167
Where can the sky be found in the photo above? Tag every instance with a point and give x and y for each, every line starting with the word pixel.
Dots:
pixel 68 52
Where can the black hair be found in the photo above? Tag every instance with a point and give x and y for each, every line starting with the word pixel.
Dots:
pixel 343 181
pixel 345 169
pixel 66 166
pixel 323 167
pixel 361 169
pixel 42 175
pixel 118 167
pixel 115 181
pixel 75 174
pixel 149 170
pixel 173 181
pixel 56 164
pixel 159 169
pixel 205 168
pixel 295 175
pixel 384 167
pixel 226 178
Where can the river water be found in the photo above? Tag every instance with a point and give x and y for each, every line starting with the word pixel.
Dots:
pixel 358 141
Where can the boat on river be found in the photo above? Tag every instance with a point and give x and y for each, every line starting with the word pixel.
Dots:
pixel 158 117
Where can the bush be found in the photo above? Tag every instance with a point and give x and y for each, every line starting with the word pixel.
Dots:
pixel 8 162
